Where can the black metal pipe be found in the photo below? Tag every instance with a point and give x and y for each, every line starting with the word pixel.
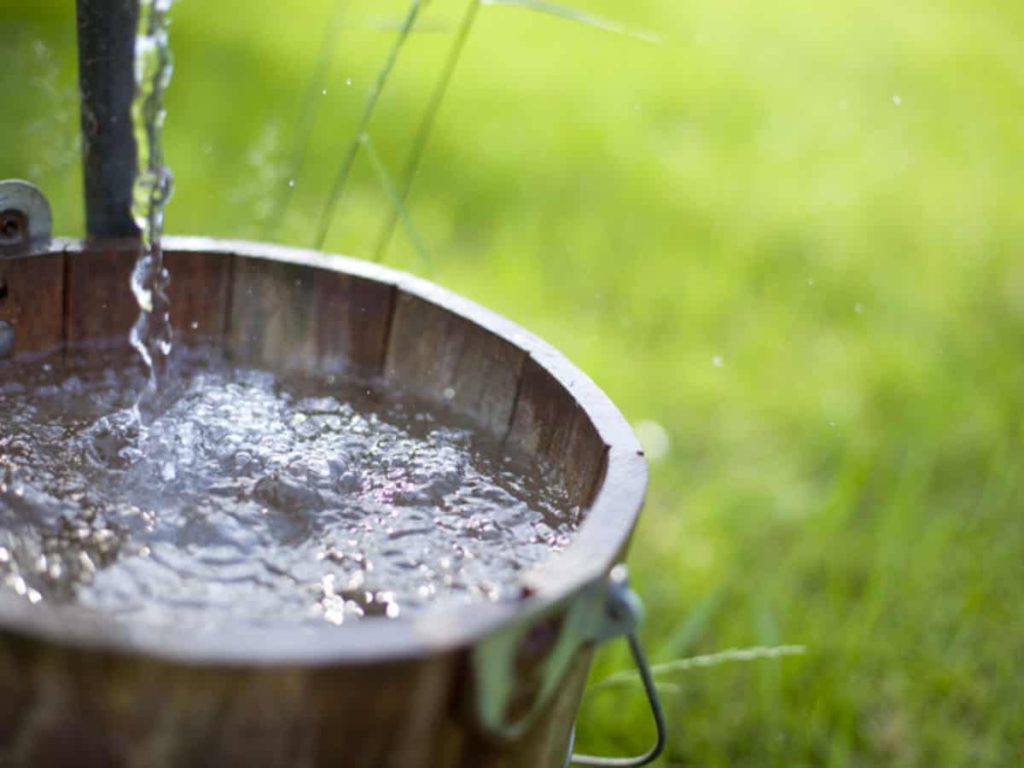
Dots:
pixel 106 48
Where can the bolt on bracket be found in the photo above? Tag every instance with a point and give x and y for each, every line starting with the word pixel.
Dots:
pixel 26 223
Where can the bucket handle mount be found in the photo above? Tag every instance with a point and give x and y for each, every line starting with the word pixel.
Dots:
pixel 517 671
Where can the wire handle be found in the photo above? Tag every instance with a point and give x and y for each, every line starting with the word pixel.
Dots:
pixel 623 600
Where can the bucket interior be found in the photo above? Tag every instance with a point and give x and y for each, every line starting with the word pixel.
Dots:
pixel 285 310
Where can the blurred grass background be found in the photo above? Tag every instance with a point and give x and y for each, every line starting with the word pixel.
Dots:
pixel 787 241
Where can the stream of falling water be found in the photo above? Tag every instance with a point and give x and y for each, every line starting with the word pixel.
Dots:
pixel 151 336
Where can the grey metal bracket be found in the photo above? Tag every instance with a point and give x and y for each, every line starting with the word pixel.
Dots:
pixel 26 223
pixel 516 671
pixel 26 226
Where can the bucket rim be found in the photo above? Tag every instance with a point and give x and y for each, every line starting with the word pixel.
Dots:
pixel 596 547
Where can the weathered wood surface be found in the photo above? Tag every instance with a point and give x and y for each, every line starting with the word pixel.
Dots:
pixel 453 362
pixel 32 301
pixel 63 707
pixel 199 293
pixel 290 316
pixel 377 693
pixel 550 424
pixel 99 302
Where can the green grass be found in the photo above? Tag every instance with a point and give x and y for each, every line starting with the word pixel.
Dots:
pixel 848 479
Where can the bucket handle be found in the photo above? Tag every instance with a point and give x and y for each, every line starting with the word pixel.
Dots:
pixel 518 670
pixel 623 601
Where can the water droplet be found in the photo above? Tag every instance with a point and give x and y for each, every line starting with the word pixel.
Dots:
pixel 449 393
pixel 717 361
pixel 653 438
pixel 810 281
pixel 194 325
pixel 858 308
pixel 897 100
pixel 323 92
pixel 327 584
pixel 348 81
pixel 843 105
pixel 333 607
pixel 291 183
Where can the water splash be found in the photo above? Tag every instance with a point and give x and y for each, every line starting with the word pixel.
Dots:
pixel 255 498
pixel 151 336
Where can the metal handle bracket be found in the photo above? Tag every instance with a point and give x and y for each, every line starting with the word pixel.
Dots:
pixel 516 671
pixel 25 220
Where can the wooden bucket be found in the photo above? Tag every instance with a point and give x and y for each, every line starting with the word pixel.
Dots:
pixel 494 685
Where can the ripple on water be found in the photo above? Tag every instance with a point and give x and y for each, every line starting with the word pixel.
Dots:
pixel 254 499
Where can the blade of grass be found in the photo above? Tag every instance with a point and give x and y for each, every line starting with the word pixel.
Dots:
pixel 769 676
pixel 572 14
pixel 307 111
pixel 397 204
pixel 430 116
pixel 371 105
pixel 379 24
pixel 426 126
pixel 730 656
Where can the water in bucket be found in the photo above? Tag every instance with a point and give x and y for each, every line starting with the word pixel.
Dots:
pixel 250 497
